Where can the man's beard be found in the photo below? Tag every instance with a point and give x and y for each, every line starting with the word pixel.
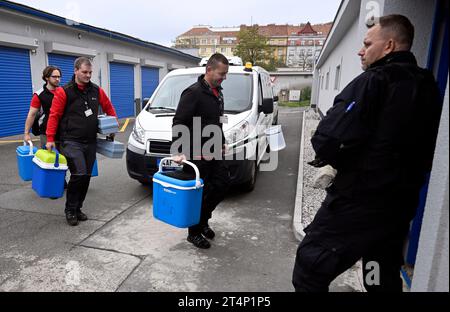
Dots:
pixel 53 85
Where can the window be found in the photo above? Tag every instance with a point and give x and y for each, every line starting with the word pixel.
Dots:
pixel 237 91
pixel 337 78
pixel 223 50
pixel 204 41
pixel 327 81
pixel 303 42
pixel 280 52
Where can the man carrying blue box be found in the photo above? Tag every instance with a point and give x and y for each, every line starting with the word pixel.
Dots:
pixel 73 116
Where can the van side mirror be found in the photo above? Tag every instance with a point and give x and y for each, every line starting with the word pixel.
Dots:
pixel 267 106
pixel 275 98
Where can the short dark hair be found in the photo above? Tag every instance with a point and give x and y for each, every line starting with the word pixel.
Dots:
pixel 82 60
pixel 47 72
pixel 215 59
pixel 401 26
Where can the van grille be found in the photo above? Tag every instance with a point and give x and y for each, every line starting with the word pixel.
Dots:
pixel 159 147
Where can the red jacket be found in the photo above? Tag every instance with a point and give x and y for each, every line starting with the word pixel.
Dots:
pixel 59 105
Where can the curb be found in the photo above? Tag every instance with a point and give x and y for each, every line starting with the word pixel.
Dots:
pixel 297 222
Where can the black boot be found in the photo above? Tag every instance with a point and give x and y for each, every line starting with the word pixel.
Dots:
pixel 71 218
pixel 81 216
pixel 198 241
pixel 208 232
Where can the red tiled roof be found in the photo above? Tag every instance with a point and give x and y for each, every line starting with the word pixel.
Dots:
pixel 307 29
pixel 200 31
pixel 271 30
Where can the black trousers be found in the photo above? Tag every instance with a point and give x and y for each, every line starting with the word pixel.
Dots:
pixel 216 179
pixel 343 232
pixel 80 159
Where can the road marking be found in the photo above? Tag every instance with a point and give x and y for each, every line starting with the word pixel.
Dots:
pixel 16 141
pixel 125 125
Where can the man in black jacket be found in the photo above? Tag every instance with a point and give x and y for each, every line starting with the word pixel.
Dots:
pixel 201 111
pixel 380 136
pixel 74 117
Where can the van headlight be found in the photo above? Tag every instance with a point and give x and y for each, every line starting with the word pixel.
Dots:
pixel 237 133
pixel 138 133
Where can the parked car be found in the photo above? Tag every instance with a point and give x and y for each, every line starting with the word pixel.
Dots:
pixel 249 104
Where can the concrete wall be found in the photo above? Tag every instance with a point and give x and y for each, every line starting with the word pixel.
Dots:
pixel 431 272
pixel 47 32
pixel 421 14
pixel 298 82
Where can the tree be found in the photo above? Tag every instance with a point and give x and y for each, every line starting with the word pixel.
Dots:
pixel 253 47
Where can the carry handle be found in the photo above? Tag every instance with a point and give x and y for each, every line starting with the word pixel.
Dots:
pixel 31 146
pixel 198 184
pixel 56 158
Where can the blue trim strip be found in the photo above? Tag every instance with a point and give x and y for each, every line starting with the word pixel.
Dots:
pixel 406 278
pixel 99 31
pixel 433 38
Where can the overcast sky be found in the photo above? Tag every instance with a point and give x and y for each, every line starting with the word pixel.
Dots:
pixel 161 21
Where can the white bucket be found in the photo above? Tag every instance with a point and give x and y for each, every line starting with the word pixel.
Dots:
pixel 275 138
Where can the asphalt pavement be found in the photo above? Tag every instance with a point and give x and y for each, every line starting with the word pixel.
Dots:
pixel 123 248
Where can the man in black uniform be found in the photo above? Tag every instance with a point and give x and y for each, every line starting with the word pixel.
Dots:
pixel 203 102
pixel 380 136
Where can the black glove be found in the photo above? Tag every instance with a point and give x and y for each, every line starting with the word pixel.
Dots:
pixel 318 163
pixel 110 137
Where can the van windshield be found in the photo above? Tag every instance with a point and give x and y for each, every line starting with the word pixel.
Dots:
pixel 237 92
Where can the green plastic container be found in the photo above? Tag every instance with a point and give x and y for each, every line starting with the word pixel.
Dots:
pixel 49 158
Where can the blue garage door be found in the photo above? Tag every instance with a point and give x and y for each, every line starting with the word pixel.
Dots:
pixel 150 80
pixel 122 88
pixel 15 90
pixel 65 63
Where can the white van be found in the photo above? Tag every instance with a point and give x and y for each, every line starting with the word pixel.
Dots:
pixel 249 105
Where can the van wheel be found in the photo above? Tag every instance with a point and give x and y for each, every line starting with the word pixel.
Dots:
pixel 250 184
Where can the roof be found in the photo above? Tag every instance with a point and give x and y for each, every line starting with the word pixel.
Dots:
pixel 303 29
pixel 91 29
pixel 197 31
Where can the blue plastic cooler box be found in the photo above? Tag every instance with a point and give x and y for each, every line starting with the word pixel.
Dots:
pixel 94 172
pixel 111 149
pixel 25 156
pixel 107 124
pixel 177 202
pixel 49 172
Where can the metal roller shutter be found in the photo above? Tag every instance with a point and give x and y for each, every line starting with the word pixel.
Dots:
pixel 65 63
pixel 15 90
pixel 150 80
pixel 122 88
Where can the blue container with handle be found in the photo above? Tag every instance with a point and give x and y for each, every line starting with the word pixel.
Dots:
pixel 107 124
pixel 49 172
pixel 177 202
pixel 24 155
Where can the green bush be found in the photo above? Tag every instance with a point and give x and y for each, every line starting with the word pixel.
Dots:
pixel 306 94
